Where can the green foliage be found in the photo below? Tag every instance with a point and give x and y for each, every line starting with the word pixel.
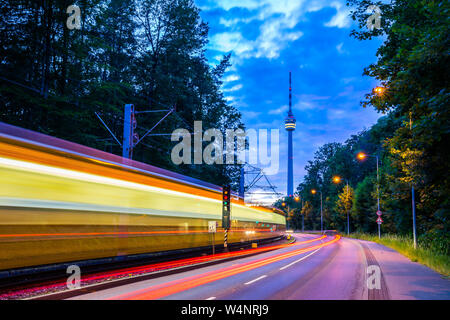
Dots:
pixel 293 211
pixel 363 205
pixel 410 141
pixel 432 253
pixel 149 53
pixel 413 64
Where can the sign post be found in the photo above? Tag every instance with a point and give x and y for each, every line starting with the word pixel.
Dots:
pixel 379 222
pixel 226 213
pixel 212 228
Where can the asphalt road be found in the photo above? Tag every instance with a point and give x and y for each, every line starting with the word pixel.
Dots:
pixel 312 268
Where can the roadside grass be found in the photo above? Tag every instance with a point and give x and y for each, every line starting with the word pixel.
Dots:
pixel 431 257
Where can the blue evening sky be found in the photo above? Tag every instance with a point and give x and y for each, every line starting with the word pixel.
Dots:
pixel 310 38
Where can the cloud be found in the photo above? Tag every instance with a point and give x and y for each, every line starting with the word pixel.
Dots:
pixel 276 21
pixel 341 19
pixel 230 41
pixel 268 39
pixel 231 78
pixel 234 88
pixel 279 110
pixel 339 48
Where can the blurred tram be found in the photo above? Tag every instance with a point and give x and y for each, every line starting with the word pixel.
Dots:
pixel 62 202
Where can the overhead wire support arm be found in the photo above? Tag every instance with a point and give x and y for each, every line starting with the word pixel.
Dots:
pixel 112 134
pixel 150 130
pixel 150 111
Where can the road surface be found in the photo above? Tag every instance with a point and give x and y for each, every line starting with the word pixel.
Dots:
pixel 327 268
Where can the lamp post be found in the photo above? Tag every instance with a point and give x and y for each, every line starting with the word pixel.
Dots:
pixel 412 194
pixel 297 199
pixel 362 156
pixel 337 179
pixel 283 204
pixel 288 210
pixel 313 191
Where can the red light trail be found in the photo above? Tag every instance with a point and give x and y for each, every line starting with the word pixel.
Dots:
pixel 166 289
pixel 163 266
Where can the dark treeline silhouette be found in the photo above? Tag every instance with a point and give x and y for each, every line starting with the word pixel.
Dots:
pixel 149 53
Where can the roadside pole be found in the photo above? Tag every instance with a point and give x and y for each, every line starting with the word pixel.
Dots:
pixel 212 229
pixel 226 214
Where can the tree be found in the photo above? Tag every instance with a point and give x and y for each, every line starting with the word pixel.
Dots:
pixel 412 65
pixel 308 214
pixel 344 205
pixel 364 205
pixel 149 53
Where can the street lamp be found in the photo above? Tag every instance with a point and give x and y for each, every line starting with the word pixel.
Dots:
pixel 337 179
pixel 313 191
pixel 362 156
pixel 379 90
pixel 412 194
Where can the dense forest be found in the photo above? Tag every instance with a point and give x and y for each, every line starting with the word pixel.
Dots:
pixel 410 140
pixel 149 53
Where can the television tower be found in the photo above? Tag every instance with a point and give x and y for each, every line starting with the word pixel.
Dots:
pixel 289 124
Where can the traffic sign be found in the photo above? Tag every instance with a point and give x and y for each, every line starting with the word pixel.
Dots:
pixel 379 220
pixel 212 226
pixel 379 213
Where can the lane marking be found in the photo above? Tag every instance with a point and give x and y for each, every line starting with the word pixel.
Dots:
pixel 211 298
pixel 290 264
pixel 172 287
pixel 254 280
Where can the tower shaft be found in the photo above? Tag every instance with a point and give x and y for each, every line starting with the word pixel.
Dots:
pixel 290 185
pixel 290 127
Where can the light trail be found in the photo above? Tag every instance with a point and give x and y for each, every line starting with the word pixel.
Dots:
pixel 166 265
pixel 12 235
pixel 182 262
pixel 166 289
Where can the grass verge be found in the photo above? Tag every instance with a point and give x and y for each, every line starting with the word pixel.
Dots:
pixel 404 245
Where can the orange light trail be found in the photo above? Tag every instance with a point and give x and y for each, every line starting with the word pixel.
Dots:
pixel 166 289
pixel 118 233
pixel 187 261
pixel 172 264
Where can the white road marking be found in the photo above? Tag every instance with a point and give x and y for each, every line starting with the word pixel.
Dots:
pixel 290 264
pixel 211 298
pixel 254 280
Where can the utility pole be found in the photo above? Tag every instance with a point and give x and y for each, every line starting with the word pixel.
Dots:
pixel 303 219
pixel 242 183
pixel 412 194
pixel 348 215
pixel 128 132
pixel 414 217
pixel 130 138
pixel 321 215
pixel 226 214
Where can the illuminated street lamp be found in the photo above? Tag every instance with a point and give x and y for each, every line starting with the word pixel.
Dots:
pixel 379 90
pixel 313 191
pixel 362 156
pixel 337 179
